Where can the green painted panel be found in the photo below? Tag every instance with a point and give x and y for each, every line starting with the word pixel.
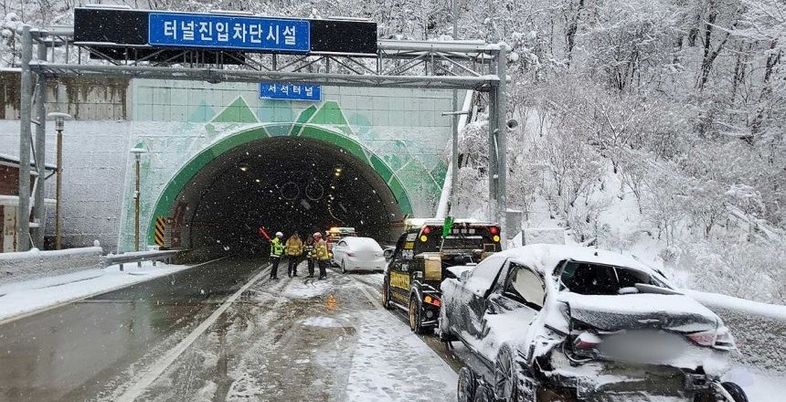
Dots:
pixel 329 113
pixel 381 168
pixel 237 112
pixel 304 116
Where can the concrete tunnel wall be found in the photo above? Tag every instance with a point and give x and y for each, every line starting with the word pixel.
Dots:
pixel 178 120
pixel 397 139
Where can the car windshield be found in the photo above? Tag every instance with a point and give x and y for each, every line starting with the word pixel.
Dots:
pixel 599 279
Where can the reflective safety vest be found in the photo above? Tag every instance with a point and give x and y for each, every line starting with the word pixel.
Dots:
pixel 294 247
pixel 276 248
pixel 321 251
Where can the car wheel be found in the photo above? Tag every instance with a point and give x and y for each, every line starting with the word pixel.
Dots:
pixel 415 319
pixel 343 267
pixel 467 383
pixel 735 391
pixel 386 295
pixel 506 375
pixel 483 394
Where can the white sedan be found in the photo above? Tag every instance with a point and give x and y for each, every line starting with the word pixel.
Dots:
pixel 358 254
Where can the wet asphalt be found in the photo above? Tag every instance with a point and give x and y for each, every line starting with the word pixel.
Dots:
pixel 81 350
pixel 287 339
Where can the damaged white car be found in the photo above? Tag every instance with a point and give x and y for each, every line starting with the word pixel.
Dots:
pixel 562 323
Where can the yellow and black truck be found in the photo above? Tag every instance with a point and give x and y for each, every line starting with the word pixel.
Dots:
pixel 419 263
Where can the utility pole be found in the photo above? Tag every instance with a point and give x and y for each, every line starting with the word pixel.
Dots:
pixel 137 152
pixel 60 119
pixel 23 209
pixel 502 141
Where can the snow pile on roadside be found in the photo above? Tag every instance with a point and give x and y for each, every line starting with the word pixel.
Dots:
pixel 759 387
pixel 22 298
pixel 386 360
pixel 775 311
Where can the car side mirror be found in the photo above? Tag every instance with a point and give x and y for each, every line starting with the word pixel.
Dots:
pixel 388 253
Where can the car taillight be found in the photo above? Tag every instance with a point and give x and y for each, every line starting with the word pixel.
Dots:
pixel 494 230
pixel 704 338
pixel 427 230
pixel 724 340
pixel 432 300
pixel 720 339
pixel 586 341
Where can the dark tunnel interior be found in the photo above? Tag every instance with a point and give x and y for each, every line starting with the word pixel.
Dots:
pixel 284 184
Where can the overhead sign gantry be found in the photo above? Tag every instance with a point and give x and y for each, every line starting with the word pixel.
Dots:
pixel 238 47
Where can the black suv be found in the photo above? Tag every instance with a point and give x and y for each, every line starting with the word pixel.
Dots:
pixel 418 265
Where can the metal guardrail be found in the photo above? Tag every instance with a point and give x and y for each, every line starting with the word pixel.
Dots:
pixel 138 256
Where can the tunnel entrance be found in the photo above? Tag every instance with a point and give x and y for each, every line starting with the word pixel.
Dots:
pixel 287 184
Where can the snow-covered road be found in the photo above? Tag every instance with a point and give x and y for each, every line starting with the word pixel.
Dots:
pixel 303 339
pixel 223 331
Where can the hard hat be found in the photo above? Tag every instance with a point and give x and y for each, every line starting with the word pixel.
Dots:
pixel 279 234
pixel 317 234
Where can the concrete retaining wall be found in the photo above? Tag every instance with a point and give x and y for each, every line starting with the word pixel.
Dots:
pixel 759 329
pixel 15 267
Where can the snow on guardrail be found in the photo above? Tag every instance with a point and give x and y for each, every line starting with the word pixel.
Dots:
pixel 20 266
pixel 759 328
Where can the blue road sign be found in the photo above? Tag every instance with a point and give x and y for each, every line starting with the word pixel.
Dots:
pixel 229 32
pixel 290 91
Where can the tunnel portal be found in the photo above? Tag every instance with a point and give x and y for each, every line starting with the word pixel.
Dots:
pixel 284 184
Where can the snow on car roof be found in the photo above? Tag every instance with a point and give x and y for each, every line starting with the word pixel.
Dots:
pixel 362 241
pixel 544 258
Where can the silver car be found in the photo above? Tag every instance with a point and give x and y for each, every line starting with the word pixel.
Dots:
pixel 563 323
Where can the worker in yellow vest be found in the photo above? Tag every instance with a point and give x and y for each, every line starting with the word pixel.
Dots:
pixel 321 254
pixel 294 248
pixel 276 251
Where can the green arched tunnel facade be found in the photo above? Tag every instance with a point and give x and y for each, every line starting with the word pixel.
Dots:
pixel 166 200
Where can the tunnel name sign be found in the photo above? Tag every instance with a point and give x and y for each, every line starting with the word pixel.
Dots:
pixel 290 91
pixel 229 32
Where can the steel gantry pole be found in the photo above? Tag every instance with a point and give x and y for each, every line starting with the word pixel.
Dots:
pixel 502 141
pixel 493 152
pixel 40 150
pixel 23 208
pixel 454 168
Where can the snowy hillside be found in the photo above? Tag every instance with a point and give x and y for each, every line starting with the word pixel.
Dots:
pixel 655 126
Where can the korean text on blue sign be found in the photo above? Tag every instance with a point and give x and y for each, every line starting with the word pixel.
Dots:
pixel 290 91
pixel 229 32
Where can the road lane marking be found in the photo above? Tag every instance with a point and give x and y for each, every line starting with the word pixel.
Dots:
pixel 156 369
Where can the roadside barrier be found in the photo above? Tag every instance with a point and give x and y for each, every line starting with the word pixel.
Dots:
pixel 758 328
pixel 34 264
